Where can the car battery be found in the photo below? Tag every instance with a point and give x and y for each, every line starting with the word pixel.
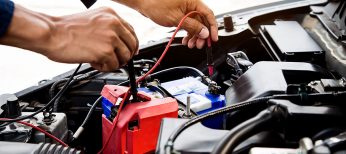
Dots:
pixel 201 100
pixel 138 125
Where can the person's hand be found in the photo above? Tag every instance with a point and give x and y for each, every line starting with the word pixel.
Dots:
pixel 99 37
pixel 169 12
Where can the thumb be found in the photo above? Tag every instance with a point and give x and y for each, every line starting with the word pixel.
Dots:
pixel 194 27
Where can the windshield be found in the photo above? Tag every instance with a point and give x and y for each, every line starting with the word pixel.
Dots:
pixel 20 69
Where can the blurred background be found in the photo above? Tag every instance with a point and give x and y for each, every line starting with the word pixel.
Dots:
pixel 20 68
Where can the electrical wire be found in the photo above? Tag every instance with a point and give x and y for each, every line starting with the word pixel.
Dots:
pixel 65 87
pixel 148 73
pixel 87 118
pixel 75 78
pixel 40 130
pixel 177 71
pixel 54 85
pixel 195 72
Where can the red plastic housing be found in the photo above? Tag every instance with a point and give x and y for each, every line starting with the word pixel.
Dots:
pixel 139 123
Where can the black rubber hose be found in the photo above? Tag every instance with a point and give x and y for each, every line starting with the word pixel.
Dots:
pixel 54 85
pixel 264 120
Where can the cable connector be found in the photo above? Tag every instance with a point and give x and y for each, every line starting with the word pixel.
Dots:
pixel 133 83
pixel 210 60
pixel 78 132
pixel 213 88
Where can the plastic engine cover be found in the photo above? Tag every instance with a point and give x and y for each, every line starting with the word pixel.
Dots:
pixel 269 78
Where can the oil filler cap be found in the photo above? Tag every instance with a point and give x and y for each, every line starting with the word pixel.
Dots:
pixel 228 23
pixel 13 109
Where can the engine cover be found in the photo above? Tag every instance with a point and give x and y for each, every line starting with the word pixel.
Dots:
pixel 268 78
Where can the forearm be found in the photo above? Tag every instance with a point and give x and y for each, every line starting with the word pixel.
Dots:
pixel 29 30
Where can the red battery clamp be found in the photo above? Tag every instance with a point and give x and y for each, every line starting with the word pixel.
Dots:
pixel 138 125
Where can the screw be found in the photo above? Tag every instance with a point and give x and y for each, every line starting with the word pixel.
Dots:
pixel 188 106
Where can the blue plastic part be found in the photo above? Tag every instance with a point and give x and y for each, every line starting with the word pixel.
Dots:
pixel 218 101
pixel 107 107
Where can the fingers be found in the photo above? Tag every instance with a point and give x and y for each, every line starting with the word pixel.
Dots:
pixel 192 42
pixel 200 43
pixel 197 33
pixel 195 41
pixel 122 52
pixel 194 27
pixel 124 44
pixel 186 38
pixel 197 28
pixel 128 37
pixel 132 31
pixel 109 64
pixel 210 17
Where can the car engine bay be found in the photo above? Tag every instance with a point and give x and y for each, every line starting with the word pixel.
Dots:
pixel 277 86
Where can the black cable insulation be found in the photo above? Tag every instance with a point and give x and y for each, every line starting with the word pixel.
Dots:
pixel 92 109
pixel 132 77
pixel 80 129
pixel 159 74
pixel 75 79
pixel 263 120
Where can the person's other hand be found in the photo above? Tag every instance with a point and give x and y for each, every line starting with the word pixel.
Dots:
pixel 169 12
pixel 99 37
